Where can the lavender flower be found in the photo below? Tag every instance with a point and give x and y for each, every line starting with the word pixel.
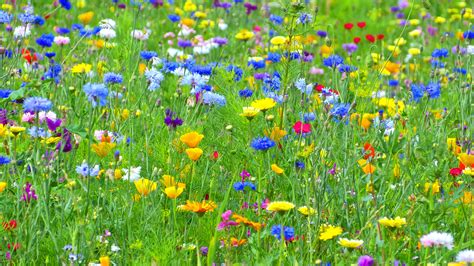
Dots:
pixel 29 193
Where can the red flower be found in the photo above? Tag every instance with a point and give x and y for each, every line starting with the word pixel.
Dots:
pixel 380 36
pixel 348 26
pixel 15 246
pixel 455 171
pixel 215 155
pixel 370 38
pixel 369 151
pixel 319 87
pixel 27 55
pixel 301 127
pixel 356 40
pixel 10 225
pixel 361 24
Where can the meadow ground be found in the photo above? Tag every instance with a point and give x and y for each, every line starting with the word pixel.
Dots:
pixel 240 133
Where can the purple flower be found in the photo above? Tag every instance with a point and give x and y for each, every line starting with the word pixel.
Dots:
pixel 170 121
pixel 53 124
pixel 365 260
pixel 349 47
pixel 220 41
pixel 29 193
pixel 204 251
pixel 249 8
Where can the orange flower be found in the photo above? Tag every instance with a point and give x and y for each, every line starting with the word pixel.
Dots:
pixel 240 219
pixel 145 186
pixel 194 153
pixel 103 149
pixel 367 167
pixel 86 18
pixel 191 139
pixel 198 207
pixel 237 242
pixel 276 134
pixel 168 181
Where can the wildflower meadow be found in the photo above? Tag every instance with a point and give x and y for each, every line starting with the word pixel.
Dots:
pixel 236 132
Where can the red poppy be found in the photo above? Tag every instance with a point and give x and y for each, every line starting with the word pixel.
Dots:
pixel 369 151
pixel 215 155
pixel 361 24
pixel 380 36
pixel 301 127
pixel 455 171
pixel 28 56
pixel 356 40
pixel 348 26
pixel 370 38
pixel 15 246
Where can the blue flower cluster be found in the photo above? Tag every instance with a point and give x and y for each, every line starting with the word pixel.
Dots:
pixel 262 144
pixel 286 231
pixel 240 186
pixel 96 93
pixel 37 104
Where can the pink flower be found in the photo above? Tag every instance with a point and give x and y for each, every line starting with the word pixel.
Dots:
pixel 316 71
pixel 302 128
pixel 61 40
pixel 28 117
pixel 437 239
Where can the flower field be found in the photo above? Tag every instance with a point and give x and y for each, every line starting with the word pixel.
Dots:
pixel 189 132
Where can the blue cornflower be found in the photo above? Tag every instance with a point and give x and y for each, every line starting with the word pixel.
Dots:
pixel 77 26
pixel 63 31
pixel 437 64
pixel 83 32
pixel 299 165
pixel 308 117
pixel 37 104
pixel 433 89
pixel 202 70
pixel 5 17
pixel 147 55
pixel 38 132
pixel 288 232
pixel 468 35
pixel 65 4
pixel 340 109
pixel 246 93
pixel 274 57
pixel 39 20
pixel 301 85
pixel 174 18
pixel 438 53
pixel 45 40
pixel 240 186
pixel 5 93
pixel 26 18
pixel 155 78
pixel 53 72
pixel 460 70
pixel 4 160
pixel 262 144
pixel 237 72
pixel 50 54
pixel 256 64
pixel 417 91
pixel 322 33
pixel 333 61
pixel 393 83
pixel 86 171
pixel 275 19
pixel 96 93
pixel 346 68
pixel 112 78
pixel 169 66
pixel 212 98
pixel 304 18
pixel 194 80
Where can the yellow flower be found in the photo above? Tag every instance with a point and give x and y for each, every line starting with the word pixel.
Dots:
pixel 189 6
pixel 198 207
pixel 145 186
pixel 125 114
pixel 326 50
pixel 249 112
pixel 468 171
pixel 277 169
pixel 276 134
pixel 173 192
pixel 278 40
pixel 280 206
pixel 3 185
pixel 414 22
pixel 117 174
pixel 440 20
pixel 305 210
pixel 188 22
pixel 194 153
pixel 350 243
pixel 414 51
pixel 396 222
pixel 7 7
pixel 168 181
pixel 434 187
pixel 86 18
pixel 81 68
pixel 103 148
pixel 244 35
pixel 327 231
pixel 191 139
pixel 16 130
pixel 466 159
pixel 3 131
pixel 400 41
pixel 396 170
pixel 368 168
pixel 104 261
pixel 200 14
pixel 306 151
pixel 263 104
pixel 51 140
pixel 415 33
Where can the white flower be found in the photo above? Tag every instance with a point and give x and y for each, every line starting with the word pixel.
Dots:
pixel 437 239
pixel 22 31
pixel 465 256
pixel 61 40
pixel 470 49
pixel 173 52
pixel 107 33
pixel 114 248
pixel 222 25
pixel 133 175
pixel 186 31
pixel 141 35
pixel 107 24
pixel 43 115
